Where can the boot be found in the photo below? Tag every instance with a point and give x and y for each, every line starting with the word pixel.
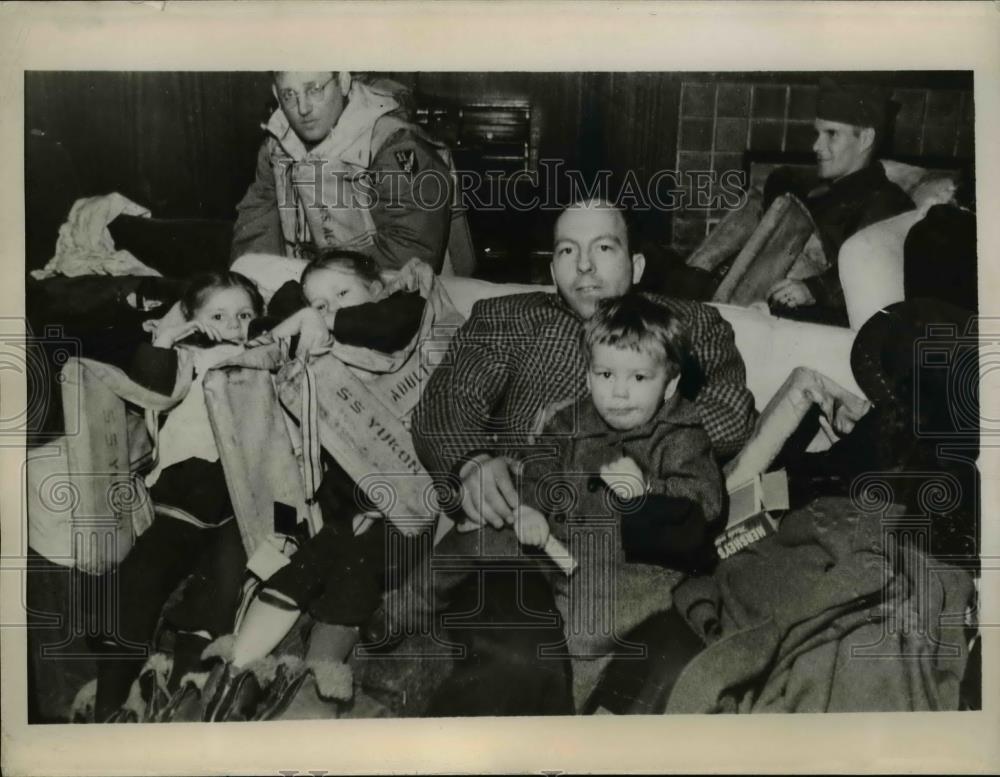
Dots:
pixel 304 702
pixel 234 694
pixel 185 705
pixel 146 695
pixel 123 715
pixel 117 669
pixel 188 648
pixel 229 693
pixel 334 680
pixel 152 683
pixel 82 709
pixel 290 682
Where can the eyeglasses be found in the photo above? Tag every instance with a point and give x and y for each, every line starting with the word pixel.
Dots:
pixel 313 93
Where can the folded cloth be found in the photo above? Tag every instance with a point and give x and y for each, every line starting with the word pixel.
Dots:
pixel 85 246
pixel 833 613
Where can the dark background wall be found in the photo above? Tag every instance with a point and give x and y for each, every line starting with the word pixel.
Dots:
pixel 183 144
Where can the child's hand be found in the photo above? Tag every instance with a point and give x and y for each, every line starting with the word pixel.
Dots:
pixel 624 478
pixel 265 339
pixel 167 336
pixel 848 412
pixel 308 324
pixel 531 527
pixel 313 333
pixel 287 328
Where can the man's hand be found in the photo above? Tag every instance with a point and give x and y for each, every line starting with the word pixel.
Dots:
pixel 790 294
pixel 531 527
pixel 624 477
pixel 488 492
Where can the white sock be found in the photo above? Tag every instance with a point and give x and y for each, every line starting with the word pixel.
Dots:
pixel 264 626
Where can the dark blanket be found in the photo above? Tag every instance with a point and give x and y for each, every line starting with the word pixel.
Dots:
pixel 86 316
pixel 829 614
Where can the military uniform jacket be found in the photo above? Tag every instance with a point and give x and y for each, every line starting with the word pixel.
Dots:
pixel 376 184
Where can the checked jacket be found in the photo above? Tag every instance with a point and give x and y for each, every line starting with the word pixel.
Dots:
pixel 520 353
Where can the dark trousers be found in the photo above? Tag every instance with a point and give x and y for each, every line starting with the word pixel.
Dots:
pixel 336 576
pixel 211 561
pixel 173 549
pixel 339 578
pixel 505 670
pixel 63 616
pixel 209 557
pixel 643 686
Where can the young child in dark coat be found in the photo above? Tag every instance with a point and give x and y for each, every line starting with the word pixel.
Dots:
pixel 644 442
pixel 624 478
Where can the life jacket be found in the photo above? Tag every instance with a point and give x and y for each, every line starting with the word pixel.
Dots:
pixel 324 194
pixel 357 404
pixel 354 402
pixel 107 445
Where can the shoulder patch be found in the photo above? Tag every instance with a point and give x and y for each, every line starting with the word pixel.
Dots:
pixel 407 160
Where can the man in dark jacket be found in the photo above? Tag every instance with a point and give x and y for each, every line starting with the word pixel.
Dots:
pixel 855 193
pixel 342 166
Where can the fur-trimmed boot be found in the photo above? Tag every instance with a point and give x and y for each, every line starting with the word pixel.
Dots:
pixel 231 692
pixel 188 650
pixel 316 688
pixel 149 693
pixel 82 709
pixel 307 692
pixel 290 680
pixel 330 647
pixel 334 680
pixel 186 703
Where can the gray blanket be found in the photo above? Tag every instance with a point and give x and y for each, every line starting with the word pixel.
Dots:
pixel 832 613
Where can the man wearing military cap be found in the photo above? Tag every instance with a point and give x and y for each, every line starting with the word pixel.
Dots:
pixel 850 122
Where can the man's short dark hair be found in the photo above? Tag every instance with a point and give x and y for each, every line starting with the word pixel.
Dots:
pixel 631 236
pixel 635 322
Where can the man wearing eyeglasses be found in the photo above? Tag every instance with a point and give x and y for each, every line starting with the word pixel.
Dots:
pixel 342 166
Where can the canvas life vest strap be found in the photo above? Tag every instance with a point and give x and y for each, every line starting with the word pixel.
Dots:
pixel 312 465
pixel 153 427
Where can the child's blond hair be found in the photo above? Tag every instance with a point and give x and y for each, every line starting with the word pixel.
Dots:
pixel 635 322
